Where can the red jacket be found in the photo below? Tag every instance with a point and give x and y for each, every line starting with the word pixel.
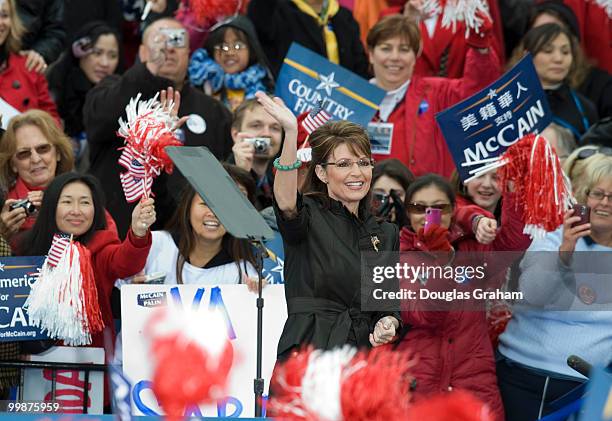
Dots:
pixel 25 90
pixel 417 139
pixel 452 348
pixel 111 260
pixel 449 44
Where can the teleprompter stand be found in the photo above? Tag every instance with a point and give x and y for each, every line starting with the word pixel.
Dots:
pixel 208 177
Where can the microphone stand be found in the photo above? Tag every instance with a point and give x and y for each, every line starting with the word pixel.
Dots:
pixel 258 382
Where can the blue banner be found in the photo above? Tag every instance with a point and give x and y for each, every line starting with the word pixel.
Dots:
pixel 598 399
pixel 17 274
pixel 479 129
pixel 306 80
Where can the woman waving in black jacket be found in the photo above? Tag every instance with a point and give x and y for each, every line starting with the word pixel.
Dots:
pixel 326 230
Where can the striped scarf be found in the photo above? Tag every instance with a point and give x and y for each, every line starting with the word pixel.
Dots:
pixel 331 42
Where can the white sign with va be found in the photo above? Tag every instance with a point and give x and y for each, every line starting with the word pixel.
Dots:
pixel 237 304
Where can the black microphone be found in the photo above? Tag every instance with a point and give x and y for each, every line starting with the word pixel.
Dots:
pixel 579 365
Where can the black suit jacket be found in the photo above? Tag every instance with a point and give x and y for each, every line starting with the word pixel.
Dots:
pixel 280 22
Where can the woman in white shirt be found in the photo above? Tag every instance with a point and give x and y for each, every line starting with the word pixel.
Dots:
pixel 196 248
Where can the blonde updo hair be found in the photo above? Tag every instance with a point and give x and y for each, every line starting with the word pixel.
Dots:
pixel 585 173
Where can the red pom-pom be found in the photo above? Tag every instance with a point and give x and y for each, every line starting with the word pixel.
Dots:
pixel 542 189
pixel 286 385
pixel 158 151
pixel 356 386
pixel 189 370
pixel 376 386
pixel 89 292
pixel 207 12
pixel 186 374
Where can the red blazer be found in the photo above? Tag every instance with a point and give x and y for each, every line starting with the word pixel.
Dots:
pixel 26 90
pixel 417 140
pixel 452 348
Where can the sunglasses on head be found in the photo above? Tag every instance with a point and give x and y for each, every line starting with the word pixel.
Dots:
pixel 40 150
pixel 418 208
pixel 586 153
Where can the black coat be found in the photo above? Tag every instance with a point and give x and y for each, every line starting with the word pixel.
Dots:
pixel 323 267
pixel 70 98
pixel 106 102
pixel 79 13
pixel 44 20
pixel 280 22
pixel 567 114
pixel 598 88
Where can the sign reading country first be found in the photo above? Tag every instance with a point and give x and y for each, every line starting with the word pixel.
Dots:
pixel 479 129
pixel 307 80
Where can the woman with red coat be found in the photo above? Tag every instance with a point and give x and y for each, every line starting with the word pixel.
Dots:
pixel 444 48
pixel 20 86
pixel 404 128
pixel 73 204
pixel 452 348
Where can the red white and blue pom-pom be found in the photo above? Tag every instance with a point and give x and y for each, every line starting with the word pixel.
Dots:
pixel 64 299
pixel 149 128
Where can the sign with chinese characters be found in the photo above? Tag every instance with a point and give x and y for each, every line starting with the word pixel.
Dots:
pixel 307 79
pixel 17 274
pixel 479 129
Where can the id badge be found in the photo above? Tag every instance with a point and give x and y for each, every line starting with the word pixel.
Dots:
pixel 381 135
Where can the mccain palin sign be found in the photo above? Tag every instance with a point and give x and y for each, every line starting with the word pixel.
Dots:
pixel 479 129
pixel 17 274
pixel 307 80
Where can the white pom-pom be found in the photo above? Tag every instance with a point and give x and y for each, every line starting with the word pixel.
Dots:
pixel 146 120
pixel 323 378
pixel 454 11
pixel 55 303
pixel 606 5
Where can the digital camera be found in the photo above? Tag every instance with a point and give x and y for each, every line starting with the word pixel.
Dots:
pixel 261 144
pixel 380 203
pixel 175 38
pixel 25 204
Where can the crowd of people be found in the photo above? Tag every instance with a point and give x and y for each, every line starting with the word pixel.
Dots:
pixel 68 71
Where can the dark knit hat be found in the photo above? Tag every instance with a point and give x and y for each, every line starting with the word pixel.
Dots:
pixel 561 10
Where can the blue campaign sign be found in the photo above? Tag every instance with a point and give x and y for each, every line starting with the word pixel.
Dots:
pixel 479 129
pixel 17 274
pixel 307 79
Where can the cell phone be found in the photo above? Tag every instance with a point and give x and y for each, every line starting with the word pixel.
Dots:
pixel 584 212
pixel 432 217
pixel 155 278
